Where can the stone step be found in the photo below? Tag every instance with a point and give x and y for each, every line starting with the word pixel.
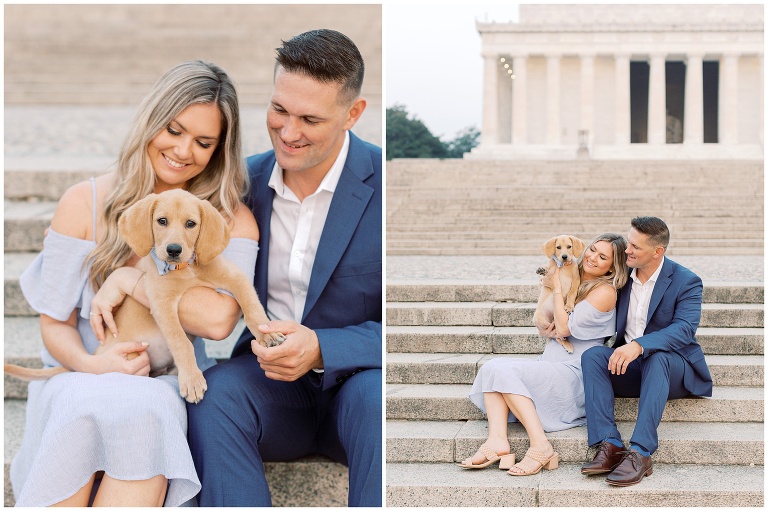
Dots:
pixel 530 198
pixel 439 368
pixel 521 314
pixel 520 340
pixel 45 181
pixel 314 481
pixel 704 443
pixel 498 208
pixel 23 343
pixel 530 241
pixel 67 54
pixel 414 249
pixel 442 484
pixel 514 237
pixel 509 290
pixel 450 402
pixel 438 223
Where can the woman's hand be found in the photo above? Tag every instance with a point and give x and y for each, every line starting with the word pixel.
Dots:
pixel 109 297
pixel 123 357
pixel 550 332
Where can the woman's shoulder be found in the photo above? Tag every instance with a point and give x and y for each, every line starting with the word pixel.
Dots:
pixel 74 212
pixel 602 297
pixel 244 224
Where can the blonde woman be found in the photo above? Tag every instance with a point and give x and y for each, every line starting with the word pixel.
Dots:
pixel 102 435
pixel 547 394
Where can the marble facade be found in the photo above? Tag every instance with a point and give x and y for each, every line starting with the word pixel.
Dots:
pixel 623 82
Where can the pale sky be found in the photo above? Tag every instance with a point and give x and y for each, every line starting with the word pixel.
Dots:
pixel 433 63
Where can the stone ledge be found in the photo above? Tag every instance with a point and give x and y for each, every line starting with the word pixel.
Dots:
pixel 440 484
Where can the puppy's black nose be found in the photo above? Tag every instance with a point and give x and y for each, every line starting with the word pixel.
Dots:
pixel 565 257
pixel 173 249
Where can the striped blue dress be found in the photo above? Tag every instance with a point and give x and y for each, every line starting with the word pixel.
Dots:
pixel 553 381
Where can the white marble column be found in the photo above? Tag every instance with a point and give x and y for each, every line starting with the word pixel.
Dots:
pixel 519 100
pixel 728 129
pixel 762 100
pixel 694 100
pixel 587 115
pixel 623 120
pixel 657 101
pixel 490 131
pixel 553 99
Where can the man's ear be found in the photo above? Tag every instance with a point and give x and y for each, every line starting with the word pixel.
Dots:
pixel 354 112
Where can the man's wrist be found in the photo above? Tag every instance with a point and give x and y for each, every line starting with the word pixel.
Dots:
pixel 642 350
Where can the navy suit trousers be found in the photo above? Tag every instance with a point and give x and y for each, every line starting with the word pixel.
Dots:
pixel 246 419
pixel 654 379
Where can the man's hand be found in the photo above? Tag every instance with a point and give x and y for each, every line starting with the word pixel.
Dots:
pixel 295 357
pixel 623 356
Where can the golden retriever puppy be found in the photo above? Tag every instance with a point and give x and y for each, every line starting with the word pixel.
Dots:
pixel 184 234
pixel 563 251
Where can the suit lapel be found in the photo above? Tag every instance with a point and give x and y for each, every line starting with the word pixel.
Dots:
pixel 665 279
pixel 349 202
pixel 262 209
pixel 623 309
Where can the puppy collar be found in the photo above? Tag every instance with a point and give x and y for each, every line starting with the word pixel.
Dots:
pixel 560 263
pixel 164 267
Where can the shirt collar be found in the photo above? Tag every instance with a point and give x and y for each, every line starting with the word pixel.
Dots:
pixel 653 278
pixel 329 182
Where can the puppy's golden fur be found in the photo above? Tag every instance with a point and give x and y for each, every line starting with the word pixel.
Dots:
pixel 181 228
pixel 563 250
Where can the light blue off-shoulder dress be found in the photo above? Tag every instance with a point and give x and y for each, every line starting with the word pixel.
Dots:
pixel 553 381
pixel 131 427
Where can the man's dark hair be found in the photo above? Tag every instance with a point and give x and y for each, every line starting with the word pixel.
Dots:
pixel 653 227
pixel 327 56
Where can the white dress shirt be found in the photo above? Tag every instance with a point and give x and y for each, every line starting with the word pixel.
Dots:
pixel 639 301
pixel 295 231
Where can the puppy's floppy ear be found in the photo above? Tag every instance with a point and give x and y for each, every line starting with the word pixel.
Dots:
pixel 135 225
pixel 548 248
pixel 578 246
pixel 214 233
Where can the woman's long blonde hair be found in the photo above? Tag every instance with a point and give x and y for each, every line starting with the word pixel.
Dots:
pixel 223 182
pixel 617 276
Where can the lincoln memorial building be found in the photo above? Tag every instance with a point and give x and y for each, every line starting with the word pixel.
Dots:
pixel 623 82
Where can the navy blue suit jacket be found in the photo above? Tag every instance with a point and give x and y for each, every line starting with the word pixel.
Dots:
pixel 344 298
pixel 673 317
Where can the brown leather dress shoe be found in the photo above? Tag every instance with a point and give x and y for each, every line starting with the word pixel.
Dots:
pixel 631 470
pixel 607 458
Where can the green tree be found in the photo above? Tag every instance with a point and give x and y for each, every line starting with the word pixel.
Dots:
pixel 408 137
pixel 464 142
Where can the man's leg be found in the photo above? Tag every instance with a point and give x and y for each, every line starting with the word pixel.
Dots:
pixel 662 379
pixel 598 395
pixel 352 434
pixel 244 419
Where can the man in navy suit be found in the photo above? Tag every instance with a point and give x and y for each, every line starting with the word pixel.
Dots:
pixel 656 356
pixel 317 198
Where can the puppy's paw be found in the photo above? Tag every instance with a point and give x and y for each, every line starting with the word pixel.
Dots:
pixel 541 271
pixel 271 340
pixel 192 385
pixel 568 308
